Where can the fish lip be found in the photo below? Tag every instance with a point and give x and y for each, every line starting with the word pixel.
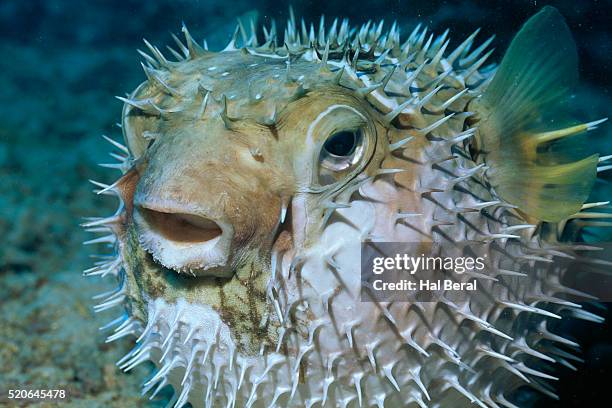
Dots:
pixel 206 258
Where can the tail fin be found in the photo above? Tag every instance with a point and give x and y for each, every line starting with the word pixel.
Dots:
pixel 519 135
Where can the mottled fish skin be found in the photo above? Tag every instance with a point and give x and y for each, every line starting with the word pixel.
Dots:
pixel 238 244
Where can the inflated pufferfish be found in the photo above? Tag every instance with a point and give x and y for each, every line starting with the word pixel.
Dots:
pixel 252 175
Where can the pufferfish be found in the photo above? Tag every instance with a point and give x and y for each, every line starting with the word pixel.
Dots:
pixel 252 176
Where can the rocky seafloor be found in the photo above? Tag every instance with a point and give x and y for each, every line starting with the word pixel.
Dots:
pixel 61 64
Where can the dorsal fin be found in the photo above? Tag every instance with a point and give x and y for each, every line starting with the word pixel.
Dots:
pixel 521 147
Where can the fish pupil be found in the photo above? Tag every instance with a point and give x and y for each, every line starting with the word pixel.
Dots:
pixel 341 143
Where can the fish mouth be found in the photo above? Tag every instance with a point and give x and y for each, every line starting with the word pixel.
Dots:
pixel 179 227
pixel 185 241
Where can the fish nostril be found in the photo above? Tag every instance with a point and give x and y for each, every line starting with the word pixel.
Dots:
pixel 180 227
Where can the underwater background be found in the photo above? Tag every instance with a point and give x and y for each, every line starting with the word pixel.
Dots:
pixel 61 64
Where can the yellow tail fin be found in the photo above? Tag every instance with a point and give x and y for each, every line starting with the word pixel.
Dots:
pixel 520 134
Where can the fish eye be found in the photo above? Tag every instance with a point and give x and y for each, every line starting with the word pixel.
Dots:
pixel 342 140
pixel 341 153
